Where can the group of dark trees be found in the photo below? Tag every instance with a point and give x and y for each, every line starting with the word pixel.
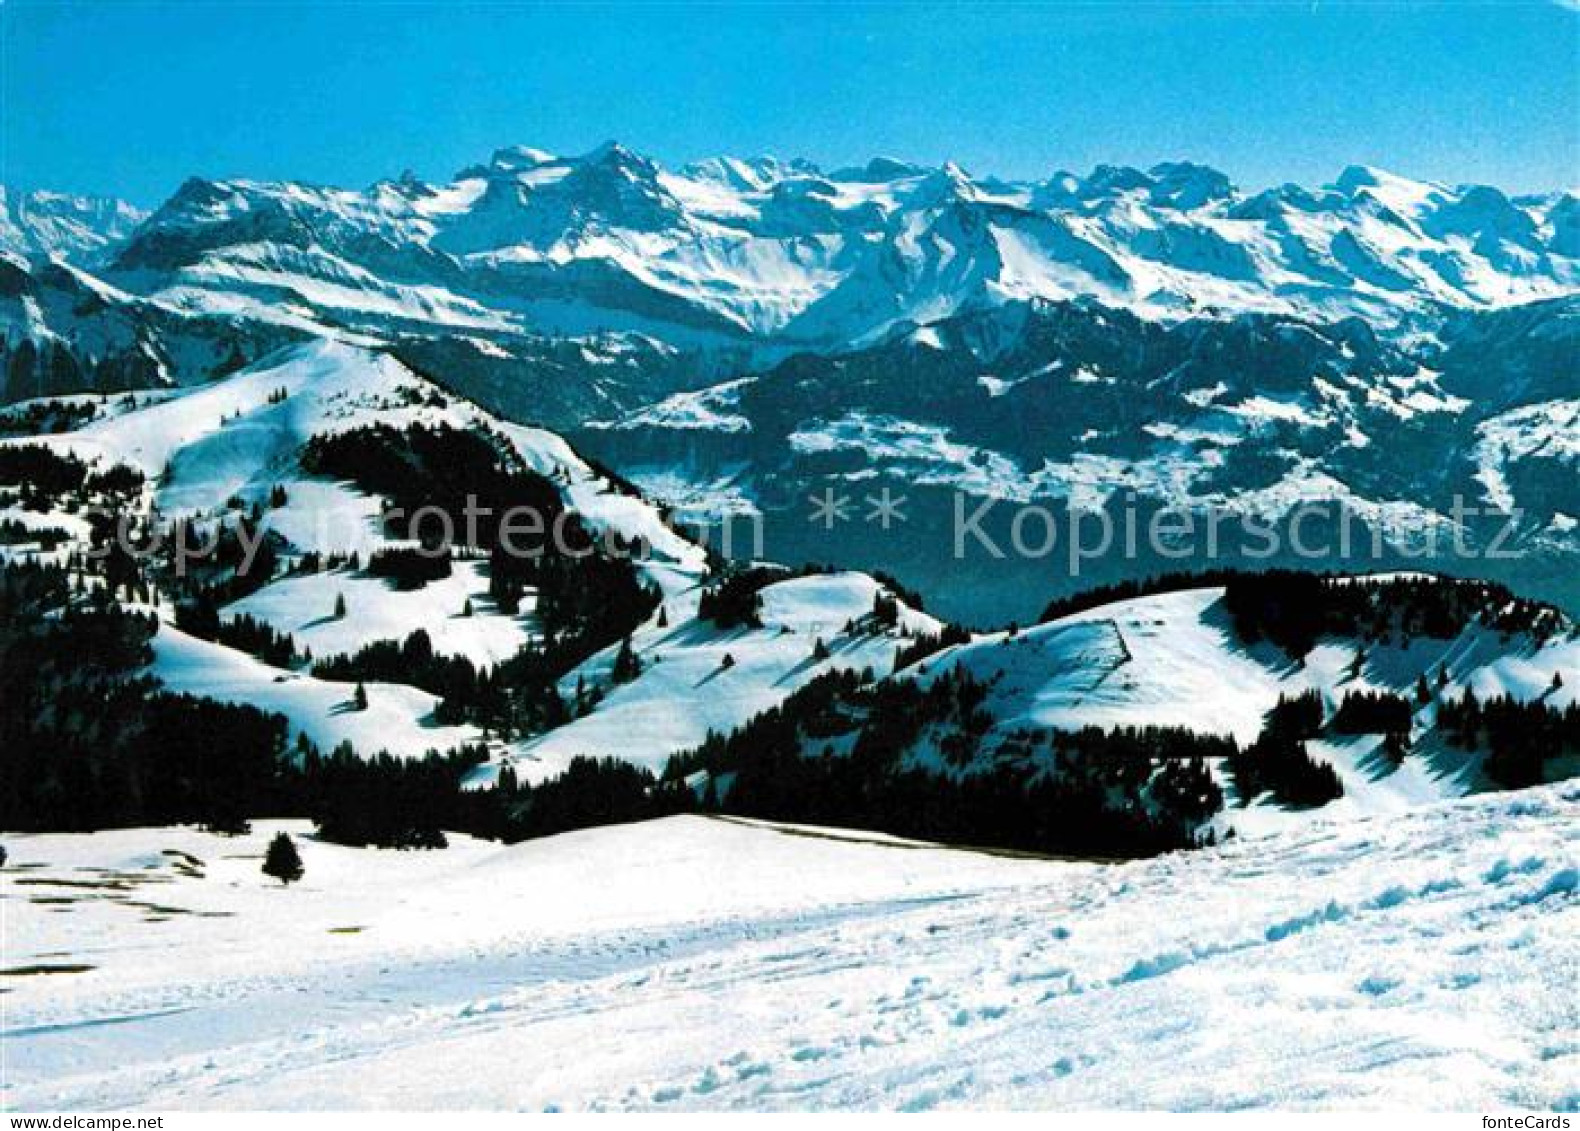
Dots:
pixel 410 567
pixel 925 644
pixel 1278 761
pixel 1372 712
pixel 846 751
pixel 200 617
pixel 47 480
pixel 42 418
pixel 14 532
pixel 1294 609
pixel 1521 738
pixel 388 802
pixel 1101 595
pixel 734 599
pixel 30 369
pixel 91 743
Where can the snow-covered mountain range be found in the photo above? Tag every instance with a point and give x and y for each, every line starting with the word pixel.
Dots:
pixel 784 252
pixel 733 333
pixel 733 336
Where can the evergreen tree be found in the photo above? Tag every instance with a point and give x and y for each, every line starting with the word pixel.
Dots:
pixel 466 609
pixel 1423 693
pixel 1558 680
pixel 626 666
pixel 340 606
pixel 820 650
pixel 663 616
pixel 359 698
pixel 727 663
pixel 282 861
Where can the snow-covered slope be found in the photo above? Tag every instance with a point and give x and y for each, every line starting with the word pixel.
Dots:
pixel 699 678
pixel 397 719
pixel 234 447
pixel 1425 961
pixel 214 452
pixel 1175 660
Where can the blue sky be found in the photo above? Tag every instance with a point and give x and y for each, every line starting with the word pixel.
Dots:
pixel 125 97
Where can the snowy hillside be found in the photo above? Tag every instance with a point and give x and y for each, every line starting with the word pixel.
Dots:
pixel 699 678
pixel 235 450
pixel 1175 660
pixel 1424 960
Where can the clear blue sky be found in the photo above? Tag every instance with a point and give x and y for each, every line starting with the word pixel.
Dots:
pixel 128 98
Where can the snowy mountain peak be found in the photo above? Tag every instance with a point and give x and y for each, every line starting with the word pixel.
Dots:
pixel 56 224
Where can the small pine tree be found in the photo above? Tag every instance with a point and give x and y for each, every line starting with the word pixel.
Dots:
pixel 466 609
pixel 1558 680
pixel 727 663
pixel 626 665
pixel 663 616
pixel 820 650
pixel 1442 676
pixel 359 698
pixel 282 861
pixel 340 606
pixel 1423 693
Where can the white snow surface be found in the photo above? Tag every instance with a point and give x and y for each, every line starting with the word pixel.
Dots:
pixel 398 718
pixel 1426 961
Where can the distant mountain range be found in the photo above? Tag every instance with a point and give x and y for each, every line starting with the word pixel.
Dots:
pixel 733 333
pixel 767 251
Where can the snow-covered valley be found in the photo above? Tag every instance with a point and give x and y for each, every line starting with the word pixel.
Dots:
pixel 1426 960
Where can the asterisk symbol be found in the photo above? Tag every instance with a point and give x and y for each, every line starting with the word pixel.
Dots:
pixel 886 508
pixel 829 509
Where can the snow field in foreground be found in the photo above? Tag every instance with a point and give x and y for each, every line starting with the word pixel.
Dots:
pixel 1427 959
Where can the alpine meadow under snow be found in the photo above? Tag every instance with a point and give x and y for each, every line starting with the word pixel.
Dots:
pixel 311 804
pixel 1426 960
